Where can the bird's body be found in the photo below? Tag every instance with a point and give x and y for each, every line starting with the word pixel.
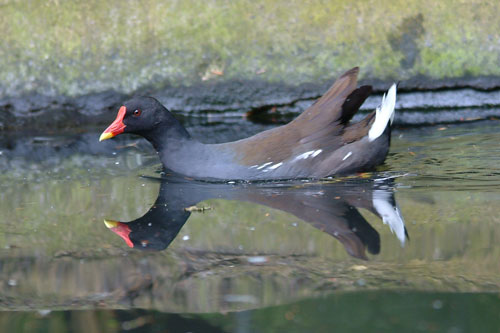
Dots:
pixel 318 143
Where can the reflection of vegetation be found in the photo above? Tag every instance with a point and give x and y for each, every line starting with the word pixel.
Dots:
pixel 56 233
pixel 80 46
pixel 347 312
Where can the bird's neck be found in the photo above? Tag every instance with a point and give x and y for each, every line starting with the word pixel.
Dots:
pixel 164 136
pixel 177 150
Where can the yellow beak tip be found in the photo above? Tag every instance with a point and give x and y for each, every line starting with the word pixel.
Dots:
pixel 110 223
pixel 105 136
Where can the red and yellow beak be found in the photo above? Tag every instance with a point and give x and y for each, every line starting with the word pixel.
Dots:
pixel 121 229
pixel 116 126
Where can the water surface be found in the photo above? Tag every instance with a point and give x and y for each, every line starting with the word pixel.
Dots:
pixel 276 256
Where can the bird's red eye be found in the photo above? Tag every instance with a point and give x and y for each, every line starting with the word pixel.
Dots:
pixel 137 113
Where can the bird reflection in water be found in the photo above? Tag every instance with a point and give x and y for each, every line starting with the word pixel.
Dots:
pixel 331 207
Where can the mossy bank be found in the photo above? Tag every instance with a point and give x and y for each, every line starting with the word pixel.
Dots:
pixel 63 49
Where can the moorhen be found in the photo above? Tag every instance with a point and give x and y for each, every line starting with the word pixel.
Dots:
pixel 318 143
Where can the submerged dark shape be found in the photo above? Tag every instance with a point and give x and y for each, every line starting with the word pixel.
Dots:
pixel 329 207
pixel 318 143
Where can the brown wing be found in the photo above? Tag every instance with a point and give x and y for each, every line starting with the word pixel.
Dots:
pixel 356 131
pixel 328 108
pixel 321 125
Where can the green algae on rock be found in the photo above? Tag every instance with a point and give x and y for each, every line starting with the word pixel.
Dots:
pixel 78 47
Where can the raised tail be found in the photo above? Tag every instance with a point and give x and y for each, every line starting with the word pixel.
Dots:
pixel 383 114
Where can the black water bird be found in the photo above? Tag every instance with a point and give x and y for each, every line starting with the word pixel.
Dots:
pixel 320 142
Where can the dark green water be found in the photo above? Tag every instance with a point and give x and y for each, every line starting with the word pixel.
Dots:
pixel 297 256
pixel 350 312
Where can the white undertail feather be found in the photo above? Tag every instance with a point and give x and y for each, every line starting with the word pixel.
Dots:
pixel 383 114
